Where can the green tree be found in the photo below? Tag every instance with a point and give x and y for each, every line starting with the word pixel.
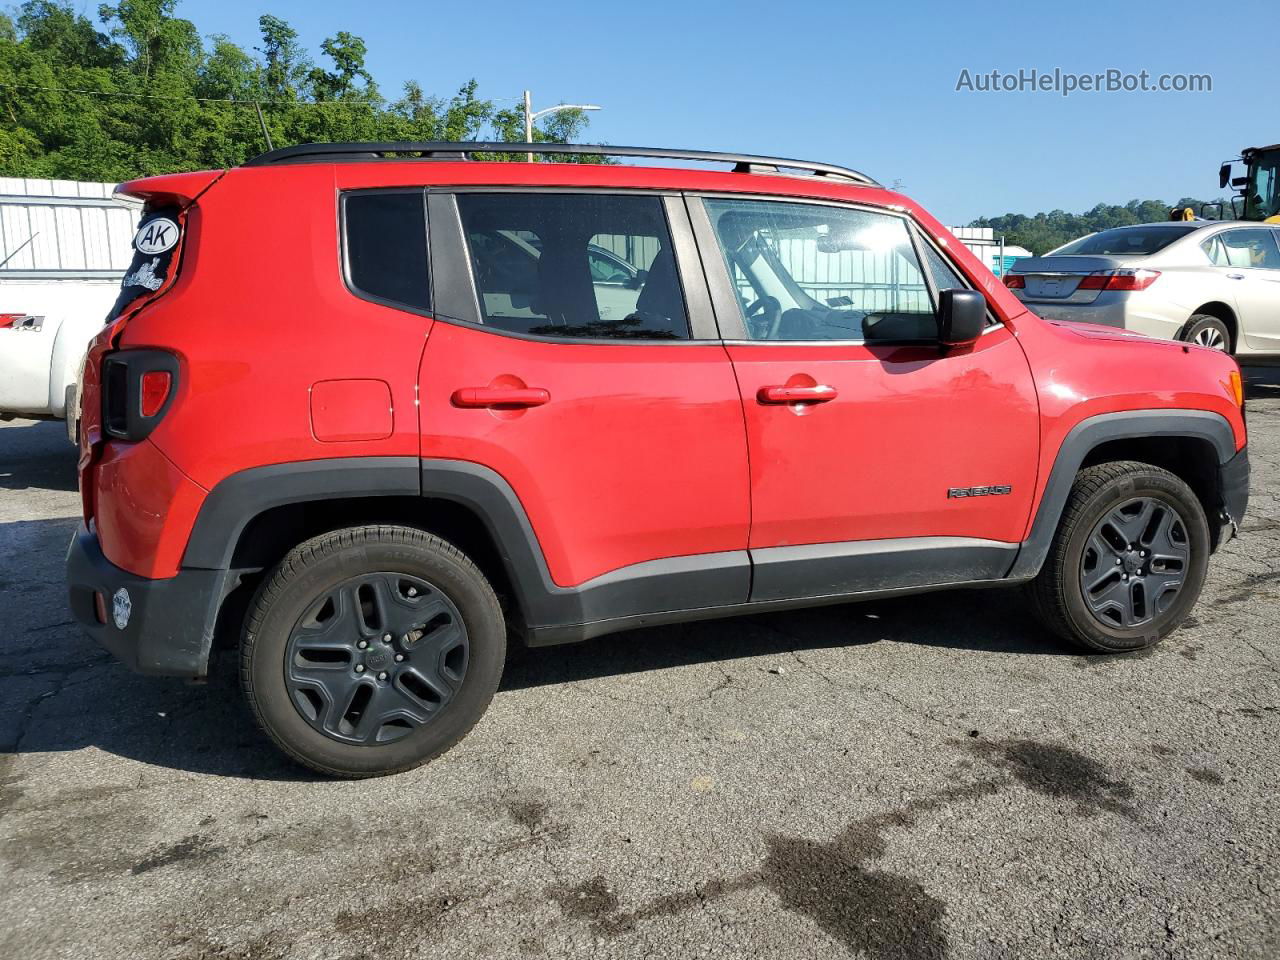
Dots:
pixel 140 92
pixel 1042 232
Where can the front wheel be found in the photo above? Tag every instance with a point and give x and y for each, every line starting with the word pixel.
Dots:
pixel 1128 560
pixel 371 650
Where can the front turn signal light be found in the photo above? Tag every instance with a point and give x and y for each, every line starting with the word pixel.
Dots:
pixel 1237 388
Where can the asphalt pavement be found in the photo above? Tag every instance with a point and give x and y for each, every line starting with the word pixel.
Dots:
pixel 924 777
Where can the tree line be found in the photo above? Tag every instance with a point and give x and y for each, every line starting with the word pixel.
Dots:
pixel 139 92
pixel 1042 232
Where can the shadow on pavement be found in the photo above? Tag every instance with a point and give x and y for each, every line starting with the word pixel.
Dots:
pixel 59 691
pixel 37 456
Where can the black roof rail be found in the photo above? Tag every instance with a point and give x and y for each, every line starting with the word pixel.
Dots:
pixel 461 150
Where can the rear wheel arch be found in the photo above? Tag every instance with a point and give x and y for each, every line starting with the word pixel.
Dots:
pixel 1216 308
pixel 253 519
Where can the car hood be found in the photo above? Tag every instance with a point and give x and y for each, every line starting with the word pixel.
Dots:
pixel 1098 331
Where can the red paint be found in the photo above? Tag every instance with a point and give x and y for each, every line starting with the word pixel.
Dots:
pixel 146 508
pixel 351 410
pixel 620 453
pixel 876 461
pixel 636 455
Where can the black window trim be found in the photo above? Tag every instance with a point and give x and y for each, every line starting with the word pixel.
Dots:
pixel 725 300
pixel 345 259
pixel 457 296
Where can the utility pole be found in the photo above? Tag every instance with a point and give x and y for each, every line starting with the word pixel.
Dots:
pixel 262 120
pixel 530 116
pixel 528 121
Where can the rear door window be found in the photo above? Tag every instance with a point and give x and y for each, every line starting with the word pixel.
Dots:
pixel 385 234
pixel 1251 247
pixel 574 266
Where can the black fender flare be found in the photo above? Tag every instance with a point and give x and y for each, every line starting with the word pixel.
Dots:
pixel 1090 433
pixel 674 583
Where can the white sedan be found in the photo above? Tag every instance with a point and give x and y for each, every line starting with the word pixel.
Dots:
pixel 1207 282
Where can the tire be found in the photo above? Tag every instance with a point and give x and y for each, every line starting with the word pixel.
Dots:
pixel 1208 331
pixel 1090 575
pixel 327 686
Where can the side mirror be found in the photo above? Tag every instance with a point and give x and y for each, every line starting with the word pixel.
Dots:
pixel 636 282
pixel 1224 175
pixel 962 315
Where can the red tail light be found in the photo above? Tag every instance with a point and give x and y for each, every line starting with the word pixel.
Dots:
pixel 1015 281
pixel 155 391
pixel 1127 280
pixel 137 390
pixel 9 319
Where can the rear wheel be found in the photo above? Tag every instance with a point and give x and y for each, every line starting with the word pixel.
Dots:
pixel 372 650
pixel 1208 331
pixel 1128 560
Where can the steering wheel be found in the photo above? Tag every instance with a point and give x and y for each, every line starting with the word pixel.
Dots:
pixel 763 317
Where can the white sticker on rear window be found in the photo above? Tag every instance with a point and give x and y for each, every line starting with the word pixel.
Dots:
pixel 144 276
pixel 156 236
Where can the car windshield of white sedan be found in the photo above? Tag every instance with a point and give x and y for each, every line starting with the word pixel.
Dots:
pixel 1124 241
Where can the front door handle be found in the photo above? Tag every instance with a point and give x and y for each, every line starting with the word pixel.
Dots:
pixel 819 393
pixel 1235 276
pixel 500 397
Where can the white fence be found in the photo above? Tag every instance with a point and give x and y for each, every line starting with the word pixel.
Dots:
pixel 55 229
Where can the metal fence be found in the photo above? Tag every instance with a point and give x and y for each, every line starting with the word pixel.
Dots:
pixel 63 229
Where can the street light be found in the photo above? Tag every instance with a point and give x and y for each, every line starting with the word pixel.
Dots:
pixel 530 116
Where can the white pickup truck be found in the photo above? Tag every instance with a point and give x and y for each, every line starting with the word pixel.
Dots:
pixel 63 249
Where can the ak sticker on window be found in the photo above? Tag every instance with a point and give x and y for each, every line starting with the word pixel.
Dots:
pixel 154 246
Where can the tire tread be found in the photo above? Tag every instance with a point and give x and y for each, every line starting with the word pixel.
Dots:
pixel 309 552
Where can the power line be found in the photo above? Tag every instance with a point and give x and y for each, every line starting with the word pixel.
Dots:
pixel 247 103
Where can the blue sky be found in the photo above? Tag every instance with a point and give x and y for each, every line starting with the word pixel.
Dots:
pixel 867 85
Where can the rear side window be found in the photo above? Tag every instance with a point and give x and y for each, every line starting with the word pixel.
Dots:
pixel 1251 247
pixel 589 266
pixel 1133 241
pixel 385 233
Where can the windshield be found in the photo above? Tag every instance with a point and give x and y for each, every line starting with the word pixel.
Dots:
pixel 1262 195
pixel 1124 241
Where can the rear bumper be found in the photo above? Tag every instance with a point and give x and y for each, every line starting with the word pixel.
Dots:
pixel 170 625
pixel 1233 487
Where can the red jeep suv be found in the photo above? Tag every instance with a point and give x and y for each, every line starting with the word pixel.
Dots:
pixel 368 409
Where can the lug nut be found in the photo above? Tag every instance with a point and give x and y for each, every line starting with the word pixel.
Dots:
pixel 399 657
pixel 386 638
pixel 364 643
pixel 1117 559
pixel 411 592
pixel 382 675
pixel 359 668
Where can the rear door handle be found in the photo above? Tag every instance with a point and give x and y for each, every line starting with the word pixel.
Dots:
pixel 819 393
pixel 1235 276
pixel 500 397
